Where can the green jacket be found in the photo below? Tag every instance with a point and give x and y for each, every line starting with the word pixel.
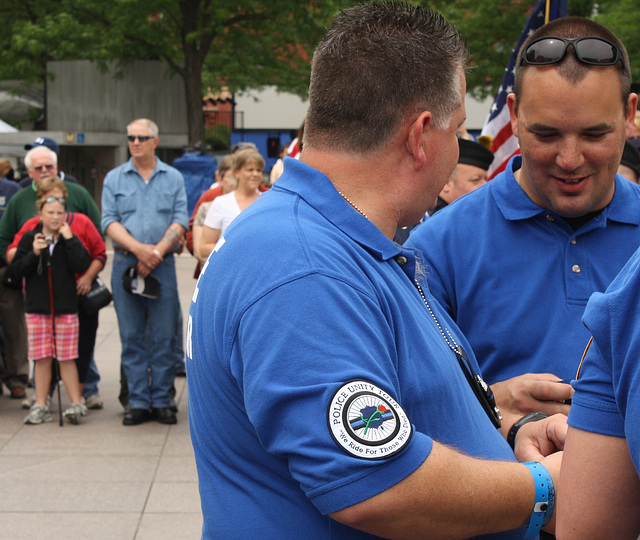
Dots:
pixel 22 207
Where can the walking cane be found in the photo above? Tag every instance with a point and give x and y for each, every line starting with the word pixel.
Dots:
pixel 56 368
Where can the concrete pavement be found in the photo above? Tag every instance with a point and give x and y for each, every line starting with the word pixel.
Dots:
pixel 100 480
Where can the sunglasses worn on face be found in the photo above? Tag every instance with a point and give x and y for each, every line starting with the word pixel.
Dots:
pixel 141 138
pixel 596 51
pixel 40 167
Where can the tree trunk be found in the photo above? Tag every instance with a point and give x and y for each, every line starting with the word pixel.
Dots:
pixel 193 92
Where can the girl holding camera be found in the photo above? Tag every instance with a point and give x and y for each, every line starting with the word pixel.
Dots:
pixel 48 257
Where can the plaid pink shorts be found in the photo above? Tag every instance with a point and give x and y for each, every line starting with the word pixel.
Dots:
pixel 41 336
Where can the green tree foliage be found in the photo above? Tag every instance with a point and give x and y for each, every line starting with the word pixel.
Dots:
pixel 243 44
pixel 492 29
pixel 252 43
pixel 623 18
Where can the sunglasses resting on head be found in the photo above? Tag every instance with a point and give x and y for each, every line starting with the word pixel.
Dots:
pixel 52 199
pixel 596 51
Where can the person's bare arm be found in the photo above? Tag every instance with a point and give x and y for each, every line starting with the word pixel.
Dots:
pixel 450 496
pixel 148 255
pixel 171 237
pixel 599 489
pixel 196 235
pixel 83 283
pixel 208 241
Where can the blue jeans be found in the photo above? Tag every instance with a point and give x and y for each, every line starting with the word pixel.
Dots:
pixel 93 378
pixel 178 341
pixel 149 375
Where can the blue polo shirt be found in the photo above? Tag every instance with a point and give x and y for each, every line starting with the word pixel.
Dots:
pixel 516 278
pixel 145 209
pixel 317 377
pixel 607 400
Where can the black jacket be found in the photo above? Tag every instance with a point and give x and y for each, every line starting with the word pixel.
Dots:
pixel 69 258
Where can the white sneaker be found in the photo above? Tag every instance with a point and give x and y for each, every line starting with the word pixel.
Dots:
pixel 94 401
pixel 28 402
pixel 38 415
pixel 74 412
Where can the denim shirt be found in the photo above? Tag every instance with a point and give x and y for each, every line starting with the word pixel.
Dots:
pixel 146 210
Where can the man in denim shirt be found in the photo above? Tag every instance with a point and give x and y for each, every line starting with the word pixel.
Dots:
pixel 144 212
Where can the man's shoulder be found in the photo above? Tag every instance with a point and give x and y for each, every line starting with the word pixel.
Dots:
pixel 77 190
pixel 472 206
pixel 117 171
pixel 8 187
pixel 80 218
pixel 68 178
pixel 24 194
pixel 169 171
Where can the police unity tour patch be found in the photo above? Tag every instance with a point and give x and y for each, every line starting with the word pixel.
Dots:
pixel 366 422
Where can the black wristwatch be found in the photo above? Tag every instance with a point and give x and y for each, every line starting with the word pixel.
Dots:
pixel 531 417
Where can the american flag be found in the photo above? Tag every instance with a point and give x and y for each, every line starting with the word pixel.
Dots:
pixel 504 144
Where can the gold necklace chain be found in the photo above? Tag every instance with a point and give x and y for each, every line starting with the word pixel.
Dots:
pixel 353 205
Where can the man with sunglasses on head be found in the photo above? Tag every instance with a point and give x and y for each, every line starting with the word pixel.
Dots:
pixel 515 262
pixel 41 162
pixel 144 212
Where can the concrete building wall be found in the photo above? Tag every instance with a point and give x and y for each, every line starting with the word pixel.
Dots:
pixel 80 98
pixel 268 109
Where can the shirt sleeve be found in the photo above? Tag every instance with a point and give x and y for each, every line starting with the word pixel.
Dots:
pixel 88 206
pixel 215 215
pixel 180 214
pixel 345 337
pixel 28 226
pixel 92 239
pixel 109 210
pixel 606 386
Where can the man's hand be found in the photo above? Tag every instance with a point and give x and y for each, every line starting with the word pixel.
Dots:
pixel 537 440
pixel 149 256
pixel 143 270
pixel 83 284
pixel 530 392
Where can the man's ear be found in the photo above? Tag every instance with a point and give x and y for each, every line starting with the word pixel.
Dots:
pixel 512 104
pixel 416 138
pixel 630 113
pixel 447 188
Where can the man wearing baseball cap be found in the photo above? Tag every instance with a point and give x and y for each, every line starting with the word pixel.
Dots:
pixel 53 146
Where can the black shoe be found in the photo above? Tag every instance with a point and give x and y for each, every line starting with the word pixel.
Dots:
pixel 173 406
pixel 164 415
pixel 133 417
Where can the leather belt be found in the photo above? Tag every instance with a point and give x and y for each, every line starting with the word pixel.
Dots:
pixel 123 251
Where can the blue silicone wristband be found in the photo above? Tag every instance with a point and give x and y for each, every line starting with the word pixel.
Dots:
pixel 545 499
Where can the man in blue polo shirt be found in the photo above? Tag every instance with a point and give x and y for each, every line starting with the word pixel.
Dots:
pixel 600 469
pixel 515 262
pixel 329 395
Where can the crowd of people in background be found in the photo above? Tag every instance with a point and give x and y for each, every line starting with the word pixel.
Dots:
pixel 507 267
